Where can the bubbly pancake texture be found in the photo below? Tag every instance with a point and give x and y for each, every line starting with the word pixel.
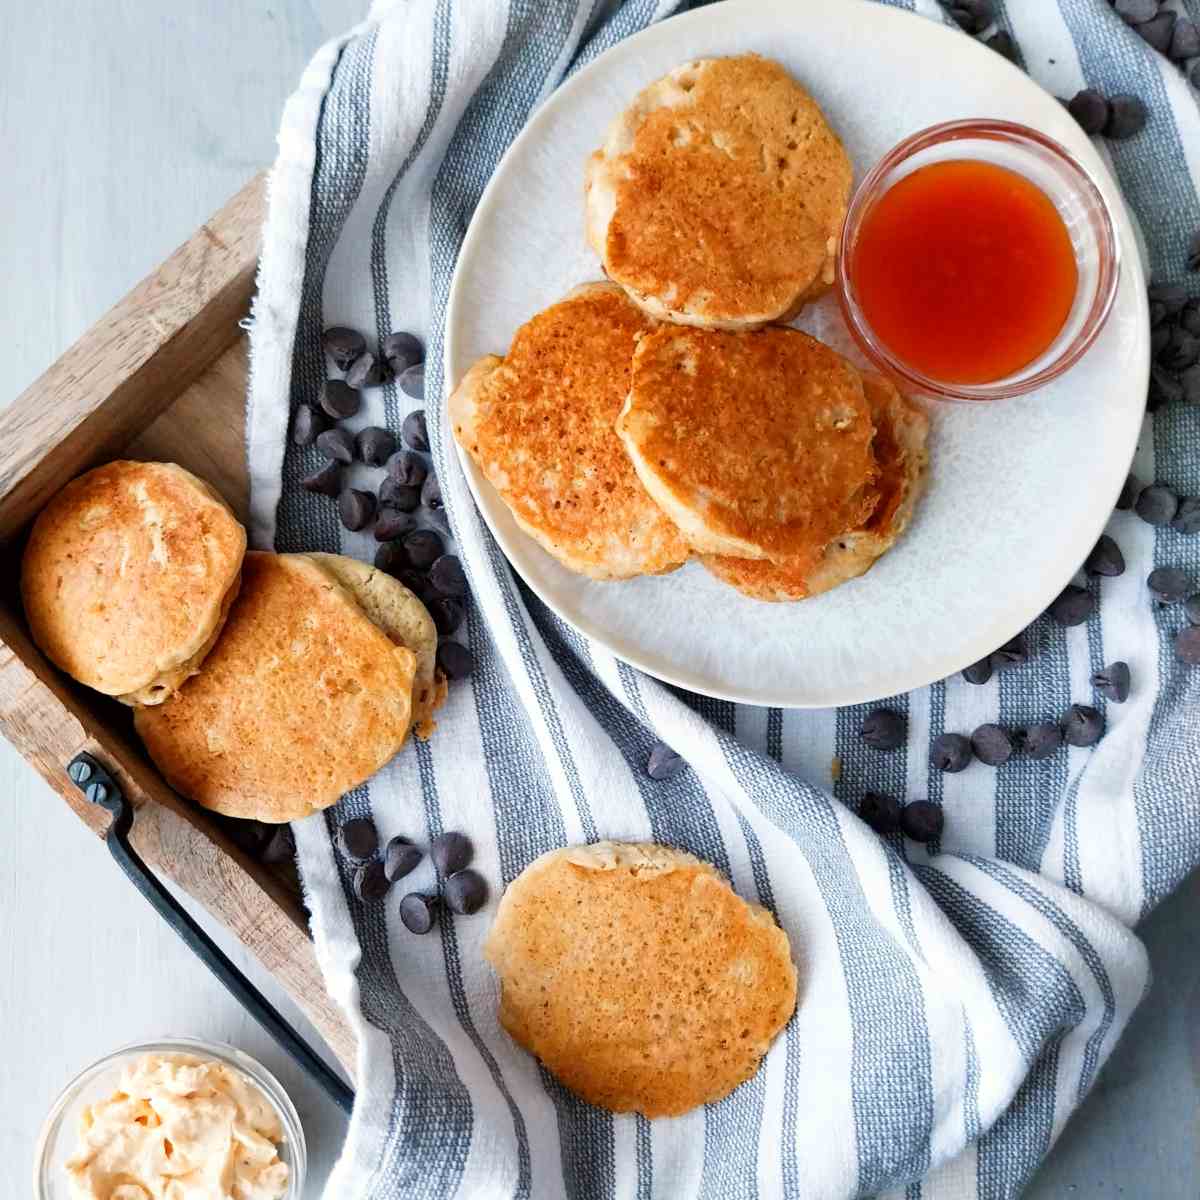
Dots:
pixel 127 577
pixel 718 196
pixel 638 977
pixel 302 698
pixel 539 423
pixel 901 429
pixel 757 445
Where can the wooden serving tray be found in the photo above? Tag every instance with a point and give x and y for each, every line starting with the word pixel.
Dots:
pixel 161 376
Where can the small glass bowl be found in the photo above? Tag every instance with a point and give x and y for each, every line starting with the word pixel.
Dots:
pixel 1080 204
pixel 58 1139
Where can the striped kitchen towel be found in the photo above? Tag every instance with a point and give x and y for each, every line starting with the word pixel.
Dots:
pixel 956 1005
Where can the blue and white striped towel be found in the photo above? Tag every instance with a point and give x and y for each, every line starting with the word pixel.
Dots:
pixel 956 1005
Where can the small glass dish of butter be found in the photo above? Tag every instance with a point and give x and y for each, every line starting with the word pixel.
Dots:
pixel 176 1108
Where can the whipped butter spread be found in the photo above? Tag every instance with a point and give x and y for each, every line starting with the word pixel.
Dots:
pixel 180 1127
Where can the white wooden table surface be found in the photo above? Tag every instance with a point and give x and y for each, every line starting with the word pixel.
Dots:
pixel 122 126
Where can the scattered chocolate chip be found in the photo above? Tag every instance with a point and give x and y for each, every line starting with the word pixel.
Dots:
pixel 1113 682
pixel 356 508
pixel 339 400
pixel 979 672
pixel 1002 42
pixel 447 614
pixel 424 548
pixel 663 762
pixel 1105 559
pixel 407 469
pixel 466 892
pixel 390 558
pixel 392 524
pixel 1191 606
pixel 1041 740
pixel 1165 388
pixel 973 16
pixel 280 846
pixel 337 444
pixel 1172 296
pixel 1129 493
pixel 1126 117
pixel 1181 351
pixel 446 576
pixel 1189 381
pixel 416 583
pixel 455 660
pixel 307 424
pixel 1090 109
pixel 343 345
pixel 400 857
pixel 357 839
pixel 1012 654
pixel 1157 31
pixel 437 518
pixel 251 836
pixel 1157 505
pixel 399 495
pixel 412 381
pixel 922 820
pixel 451 852
pixel 431 493
pixel 883 729
pixel 1189 316
pixel 1073 606
pixel 414 431
pixel 1187 646
pixel 1158 313
pixel 370 882
pixel 375 445
pixel 1185 40
pixel 327 481
pixel 417 912
pixel 881 812
pixel 1169 585
pixel 950 752
pixel 402 350
pixel 1158 340
pixel 367 371
pixel 1084 726
pixel 1135 12
pixel 992 745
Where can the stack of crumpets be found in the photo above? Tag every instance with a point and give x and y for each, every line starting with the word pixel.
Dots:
pixel 668 413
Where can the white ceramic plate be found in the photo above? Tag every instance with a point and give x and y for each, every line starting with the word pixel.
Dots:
pixel 1019 490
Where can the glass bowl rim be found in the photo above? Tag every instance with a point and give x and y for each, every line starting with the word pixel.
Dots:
pixel 1102 300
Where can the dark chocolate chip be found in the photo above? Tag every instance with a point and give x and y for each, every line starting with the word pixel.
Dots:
pixel 392 524
pixel 367 371
pixel 447 614
pixel 1185 40
pixel 400 857
pixel 280 846
pixel 417 912
pixel 1105 559
pixel 1189 381
pixel 1157 31
pixel 357 839
pixel 446 576
pixel 1073 606
pixel 1012 654
pixel 398 495
pixel 883 729
pixel 375 445
pixel 1041 740
pixel 1172 296
pixel 431 493
pixel 356 508
pixel 438 519
pixel 424 548
pixel 881 812
pixel 979 672
pixel 950 752
pixel 992 745
pixel 327 481
pixel 1126 117
pixel 1090 109
pixel 1113 682
pixel 402 350
pixel 407 468
pixel 251 836
pixel 663 762
pixel 416 583
pixel 1165 388
pixel 414 431
pixel 1169 585
pixel 1158 340
pixel 1157 505
pixel 1083 725
pixel 1002 42
pixel 1134 12
pixel 1191 606
pixel 922 820
pixel 451 852
pixel 390 558
pixel 337 444
pixel 466 892
pixel 1129 493
pixel 1158 313
pixel 343 345
pixel 412 381
pixel 1181 351
pixel 370 882
pixel 973 16
pixel 455 660
pixel 308 424
pixel 339 400
pixel 1187 646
